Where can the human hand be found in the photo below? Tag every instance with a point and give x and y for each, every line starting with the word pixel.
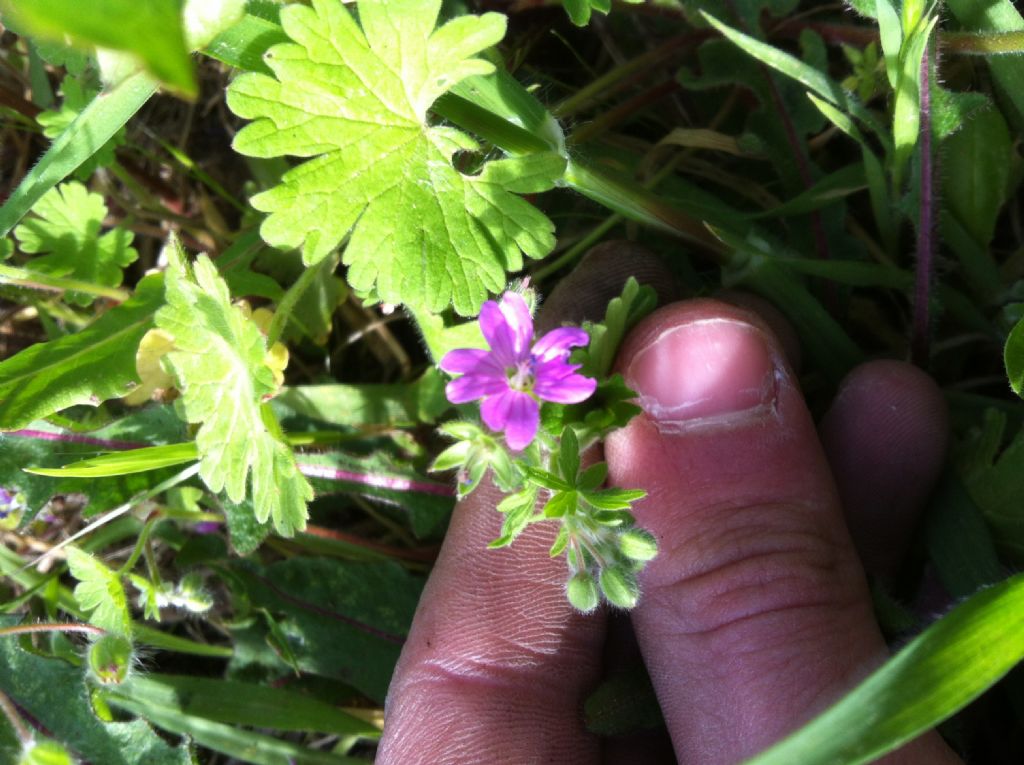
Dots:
pixel 755 616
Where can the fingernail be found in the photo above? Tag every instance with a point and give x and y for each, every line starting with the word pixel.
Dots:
pixel 706 373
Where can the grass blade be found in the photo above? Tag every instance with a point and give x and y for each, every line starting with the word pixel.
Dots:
pixel 97 123
pixel 938 673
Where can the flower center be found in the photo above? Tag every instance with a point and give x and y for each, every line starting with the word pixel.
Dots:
pixel 520 377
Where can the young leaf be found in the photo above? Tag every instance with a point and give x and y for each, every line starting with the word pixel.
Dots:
pixel 220 364
pixel 48 377
pixel 622 314
pixel 65 231
pixel 100 591
pixel 569 456
pixel 891 34
pixel 518 509
pixel 124 462
pixel 906 117
pixel 357 102
pixel 579 10
pixel 814 80
pixel 976 174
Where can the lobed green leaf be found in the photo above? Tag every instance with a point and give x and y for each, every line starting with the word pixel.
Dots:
pixel 100 591
pixel 381 174
pixel 220 366
pixel 63 231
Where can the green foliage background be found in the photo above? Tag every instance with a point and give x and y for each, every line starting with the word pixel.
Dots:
pixel 370 173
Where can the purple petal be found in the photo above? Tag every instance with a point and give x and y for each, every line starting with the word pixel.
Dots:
pixel 494 410
pixel 517 316
pixel 523 419
pixel 462 360
pixel 471 387
pixel 557 342
pixel 551 370
pixel 498 334
pixel 567 390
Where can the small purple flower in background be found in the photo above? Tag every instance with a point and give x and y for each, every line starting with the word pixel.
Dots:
pixel 10 502
pixel 513 376
pixel 206 527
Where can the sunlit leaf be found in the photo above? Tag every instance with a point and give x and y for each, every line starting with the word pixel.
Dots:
pixel 420 231
pixel 220 366
pixel 64 234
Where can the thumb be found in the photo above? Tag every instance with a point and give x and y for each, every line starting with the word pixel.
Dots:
pixel 756 615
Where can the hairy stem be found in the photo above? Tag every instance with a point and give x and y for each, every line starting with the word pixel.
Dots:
pixel 925 225
pixel 29 629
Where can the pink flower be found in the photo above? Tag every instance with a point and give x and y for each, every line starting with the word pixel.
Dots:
pixel 513 377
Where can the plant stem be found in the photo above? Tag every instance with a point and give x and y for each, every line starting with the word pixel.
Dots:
pixel 11 713
pixel 982 44
pixel 140 544
pixel 925 225
pixel 23 277
pixel 28 629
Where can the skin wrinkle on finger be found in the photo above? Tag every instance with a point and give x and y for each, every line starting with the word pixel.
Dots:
pixel 497 663
pixel 755 616
pixel 483 648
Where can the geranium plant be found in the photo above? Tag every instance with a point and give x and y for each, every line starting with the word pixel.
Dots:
pixel 269 272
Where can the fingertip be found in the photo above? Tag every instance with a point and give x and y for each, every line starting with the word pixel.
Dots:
pixel 885 437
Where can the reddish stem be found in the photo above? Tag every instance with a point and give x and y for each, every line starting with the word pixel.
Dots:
pixel 26 629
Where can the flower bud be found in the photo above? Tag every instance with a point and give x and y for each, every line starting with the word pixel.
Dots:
pixel 638 545
pixel 619 586
pixel 110 659
pixel 581 589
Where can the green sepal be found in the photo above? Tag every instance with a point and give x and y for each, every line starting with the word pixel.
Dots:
pixel 110 659
pixel 569 456
pixel 518 510
pixel 561 540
